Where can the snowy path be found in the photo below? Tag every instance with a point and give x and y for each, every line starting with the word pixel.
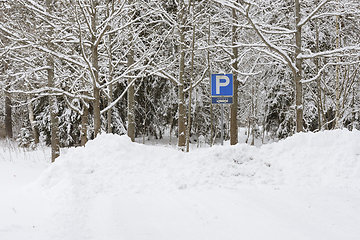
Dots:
pixel 249 213
pixel 21 211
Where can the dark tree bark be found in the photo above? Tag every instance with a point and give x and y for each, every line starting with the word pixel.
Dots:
pixel 54 125
pixel 32 121
pixel 131 90
pixel 84 126
pixel 181 107
pixel 297 78
pixel 95 66
pixel 234 106
pixel 8 117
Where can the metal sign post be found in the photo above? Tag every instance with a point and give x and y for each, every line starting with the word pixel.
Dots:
pixel 222 91
pixel 222 125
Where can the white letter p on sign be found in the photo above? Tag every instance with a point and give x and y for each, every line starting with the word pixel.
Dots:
pixel 221 84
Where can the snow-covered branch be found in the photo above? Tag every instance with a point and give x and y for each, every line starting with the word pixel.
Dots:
pixel 330 53
pixel 305 20
pixel 322 70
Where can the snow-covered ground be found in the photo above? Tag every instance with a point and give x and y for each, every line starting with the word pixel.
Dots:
pixel 305 187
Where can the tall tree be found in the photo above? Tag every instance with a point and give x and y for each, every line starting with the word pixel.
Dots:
pixel 55 147
pixel 275 38
pixel 234 106
pixel 131 90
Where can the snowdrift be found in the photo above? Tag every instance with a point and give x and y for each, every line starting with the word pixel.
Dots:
pixel 329 158
pixel 112 163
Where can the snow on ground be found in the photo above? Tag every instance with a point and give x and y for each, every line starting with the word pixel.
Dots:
pixel 305 187
pixel 20 208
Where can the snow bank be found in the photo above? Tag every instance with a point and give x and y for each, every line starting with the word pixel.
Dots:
pixel 112 163
pixel 329 158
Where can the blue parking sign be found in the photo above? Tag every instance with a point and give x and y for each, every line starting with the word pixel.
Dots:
pixel 222 85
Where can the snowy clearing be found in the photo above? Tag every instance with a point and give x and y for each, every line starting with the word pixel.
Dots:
pixel 305 187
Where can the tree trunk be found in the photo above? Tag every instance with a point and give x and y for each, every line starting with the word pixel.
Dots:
pixel 182 115
pixel 318 81
pixel 131 110
pixel 248 130
pixel 297 75
pixel 8 117
pixel 191 81
pixel 145 115
pixel 84 126
pixel 97 120
pixel 234 106
pixel 32 121
pixel 54 125
pixel 95 69
pixel 109 112
pixel 337 80
pixel 209 69
pixel 131 90
pixel 111 73
pixel 252 110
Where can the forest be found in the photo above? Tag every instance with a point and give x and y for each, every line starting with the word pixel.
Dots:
pixel 72 69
